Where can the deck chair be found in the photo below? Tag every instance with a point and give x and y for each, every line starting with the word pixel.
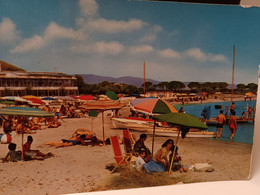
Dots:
pixel 119 157
pixel 127 142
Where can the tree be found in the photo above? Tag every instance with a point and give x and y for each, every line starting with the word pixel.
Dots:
pixel 252 86
pixel 163 85
pixel 175 85
pixel 148 86
pixel 194 85
pixel 241 87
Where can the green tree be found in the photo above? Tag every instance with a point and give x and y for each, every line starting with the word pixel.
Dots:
pixel 175 85
pixel 252 86
pixel 163 85
pixel 194 85
pixel 241 87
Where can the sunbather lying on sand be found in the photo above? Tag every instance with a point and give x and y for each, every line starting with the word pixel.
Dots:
pixel 78 138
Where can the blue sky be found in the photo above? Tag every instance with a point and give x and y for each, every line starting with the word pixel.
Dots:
pixel 178 41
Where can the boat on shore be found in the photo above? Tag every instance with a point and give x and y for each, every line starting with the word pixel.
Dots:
pixel 147 126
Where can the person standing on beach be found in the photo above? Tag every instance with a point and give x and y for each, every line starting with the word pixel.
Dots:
pixel 232 107
pixel 221 120
pixel 232 124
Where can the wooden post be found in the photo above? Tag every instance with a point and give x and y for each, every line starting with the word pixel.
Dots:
pixel 103 127
pixel 144 79
pixel 174 152
pixel 153 136
pixel 233 70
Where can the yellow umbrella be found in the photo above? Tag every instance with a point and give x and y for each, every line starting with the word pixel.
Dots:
pixel 30 96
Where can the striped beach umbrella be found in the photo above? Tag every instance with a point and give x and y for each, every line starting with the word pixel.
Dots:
pixel 152 106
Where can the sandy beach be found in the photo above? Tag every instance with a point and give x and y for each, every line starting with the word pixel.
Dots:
pixel 78 168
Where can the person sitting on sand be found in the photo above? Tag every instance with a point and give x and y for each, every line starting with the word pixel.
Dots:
pixel 7 126
pixel 54 123
pixel 33 153
pixel 139 163
pixel 176 164
pixel 160 161
pixel 139 144
pixel 232 124
pixel 220 122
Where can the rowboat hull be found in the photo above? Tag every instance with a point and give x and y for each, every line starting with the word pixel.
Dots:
pixel 147 127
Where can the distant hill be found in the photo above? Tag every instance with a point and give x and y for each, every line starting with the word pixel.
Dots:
pixel 92 79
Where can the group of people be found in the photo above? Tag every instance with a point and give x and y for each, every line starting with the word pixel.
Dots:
pixel 26 154
pixel 161 161
pixel 232 122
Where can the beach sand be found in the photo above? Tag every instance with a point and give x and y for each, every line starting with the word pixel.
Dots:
pixel 78 169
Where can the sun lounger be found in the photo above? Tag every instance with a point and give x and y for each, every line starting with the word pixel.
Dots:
pixel 119 157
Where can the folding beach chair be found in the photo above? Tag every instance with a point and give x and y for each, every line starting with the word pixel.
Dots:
pixel 127 142
pixel 119 157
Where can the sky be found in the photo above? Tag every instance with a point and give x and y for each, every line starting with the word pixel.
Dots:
pixel 177 41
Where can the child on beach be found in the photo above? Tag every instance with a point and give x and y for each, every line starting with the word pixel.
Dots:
pixel 140 160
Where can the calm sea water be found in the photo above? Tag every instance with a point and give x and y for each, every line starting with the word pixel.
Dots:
pixel 245 132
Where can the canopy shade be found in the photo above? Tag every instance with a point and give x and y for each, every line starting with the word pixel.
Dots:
pixel 152 106
pixel 24 111
pixel 182 120
pixel 102 105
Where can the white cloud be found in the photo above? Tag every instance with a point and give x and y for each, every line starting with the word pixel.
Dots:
pixel 53 32
pixel 197 54
pixel 8 32
pixel 88 7
pixel 169 53
pixel 141 49
pixel 34 43
pixel 113 26
pixel 113 47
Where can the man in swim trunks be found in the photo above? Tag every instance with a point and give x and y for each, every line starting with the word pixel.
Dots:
pixel 221 120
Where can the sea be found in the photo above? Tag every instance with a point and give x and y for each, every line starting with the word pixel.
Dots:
pixel 245 131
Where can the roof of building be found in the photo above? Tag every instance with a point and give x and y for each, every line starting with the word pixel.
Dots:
pixel 9 67
pixel 10 71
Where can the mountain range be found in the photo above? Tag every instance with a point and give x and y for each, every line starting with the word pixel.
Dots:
pixel 93 79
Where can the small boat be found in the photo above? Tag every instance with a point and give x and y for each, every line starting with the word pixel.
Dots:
pixel 147 126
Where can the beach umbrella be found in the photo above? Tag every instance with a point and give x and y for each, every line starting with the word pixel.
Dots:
pixel 7 102
pixel 35 101
pixel 152 106
pixel 183 121
pixel 203 93
pixel 112 95
pixel 30 96
pixel 102 105
pixel 84 97
pixel 249 94
pixel 24 112
pixel 49 98
pixel 15 98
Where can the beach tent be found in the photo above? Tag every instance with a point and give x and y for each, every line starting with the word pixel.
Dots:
pixel 183 121
pixel 102 105
pixel 152 106
pixel 24 112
